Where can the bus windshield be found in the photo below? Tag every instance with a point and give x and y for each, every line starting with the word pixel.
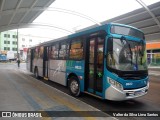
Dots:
pixel 126 55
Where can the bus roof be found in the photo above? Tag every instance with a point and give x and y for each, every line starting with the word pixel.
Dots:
pixel 88 30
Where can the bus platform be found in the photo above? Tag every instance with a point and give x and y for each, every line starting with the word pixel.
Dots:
pixel 22 93
pixel 154 70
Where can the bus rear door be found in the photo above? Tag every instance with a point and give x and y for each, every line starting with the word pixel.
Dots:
pixel 45 62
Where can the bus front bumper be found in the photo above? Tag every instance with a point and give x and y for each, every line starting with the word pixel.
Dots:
pixel 115 94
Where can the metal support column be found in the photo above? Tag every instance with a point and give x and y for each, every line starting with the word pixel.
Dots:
pixel 17 46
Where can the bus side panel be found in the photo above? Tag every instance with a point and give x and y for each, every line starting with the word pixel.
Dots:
pixel 28 63
pixel 57 71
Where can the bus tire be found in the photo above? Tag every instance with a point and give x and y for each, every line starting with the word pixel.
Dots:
pixel 36 73
pixel 74 86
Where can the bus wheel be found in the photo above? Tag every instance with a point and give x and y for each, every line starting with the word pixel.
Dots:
pixel 74 86
pixel 36 73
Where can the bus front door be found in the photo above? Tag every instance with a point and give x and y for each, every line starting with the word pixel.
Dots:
pixel 94 65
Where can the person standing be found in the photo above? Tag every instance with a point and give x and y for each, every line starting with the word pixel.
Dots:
pixel 18 62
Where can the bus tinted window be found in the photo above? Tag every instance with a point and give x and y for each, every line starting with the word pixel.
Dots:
pixel 63 52
pixel 76 50
pixel 127 31
pixel 41 52
pixel 36 51
pixel 54 51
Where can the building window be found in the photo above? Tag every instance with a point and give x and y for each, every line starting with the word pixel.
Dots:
pixel 14 36
pixel 23 39
pixel 30 40
pixel 14 42
pixel 7 35
pixel 23 45
pixel 6 42
pixel 14 49
pixel 6 48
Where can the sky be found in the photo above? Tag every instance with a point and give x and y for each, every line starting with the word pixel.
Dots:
pixel 72 15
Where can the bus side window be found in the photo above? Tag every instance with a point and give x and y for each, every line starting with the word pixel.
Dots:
pixel 63 52
pixel 41 52
pixel 54 51
pixel 76 50
pixel 36 52
pixel 49 53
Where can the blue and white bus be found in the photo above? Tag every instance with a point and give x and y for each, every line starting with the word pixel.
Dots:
pixel 108 62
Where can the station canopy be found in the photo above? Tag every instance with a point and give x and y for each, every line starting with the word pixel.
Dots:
pixel 56 18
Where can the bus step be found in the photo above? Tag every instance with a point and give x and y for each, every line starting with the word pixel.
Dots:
pixel 92 94
pixel 45 78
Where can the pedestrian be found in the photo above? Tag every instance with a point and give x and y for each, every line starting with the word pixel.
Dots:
pixel 18 62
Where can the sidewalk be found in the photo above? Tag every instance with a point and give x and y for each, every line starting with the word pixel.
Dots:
pixel 154 68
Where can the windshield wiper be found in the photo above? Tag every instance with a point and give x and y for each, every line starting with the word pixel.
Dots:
pixel 123 38
pixel 142 50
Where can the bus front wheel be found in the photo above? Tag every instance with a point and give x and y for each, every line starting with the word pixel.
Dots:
pixel 74 86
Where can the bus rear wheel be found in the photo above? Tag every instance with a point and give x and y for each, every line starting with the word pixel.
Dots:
pixel 74 86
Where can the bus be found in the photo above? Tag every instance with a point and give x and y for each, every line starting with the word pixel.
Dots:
pixel 108 62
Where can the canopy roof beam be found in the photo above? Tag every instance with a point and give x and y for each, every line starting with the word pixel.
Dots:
pixel 149 11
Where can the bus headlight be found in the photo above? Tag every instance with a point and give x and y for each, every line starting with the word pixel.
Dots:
pixel 115 83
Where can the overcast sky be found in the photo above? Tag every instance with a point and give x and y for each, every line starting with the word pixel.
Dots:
pixel 65 13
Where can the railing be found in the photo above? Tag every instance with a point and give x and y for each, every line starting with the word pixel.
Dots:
pixel 153 59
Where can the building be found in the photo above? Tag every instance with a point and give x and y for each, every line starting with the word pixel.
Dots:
pixel 26 41
pixel 153 53
pixel 8 43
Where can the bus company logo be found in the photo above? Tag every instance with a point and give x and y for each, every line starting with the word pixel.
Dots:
pixel 6 114
pixel 129 84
